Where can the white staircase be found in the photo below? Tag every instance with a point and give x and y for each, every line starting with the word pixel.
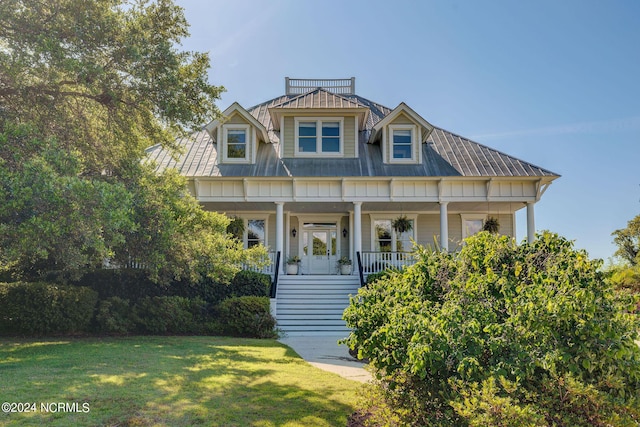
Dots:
pixel 313 305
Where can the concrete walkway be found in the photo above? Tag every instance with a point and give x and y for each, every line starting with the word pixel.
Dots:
pixel 325 353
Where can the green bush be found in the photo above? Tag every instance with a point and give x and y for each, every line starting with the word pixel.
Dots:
pixel 250 283
pixel 501 334
pixel 44 308
pixel 129 284
pixel 247 316
pixel 114 316
pixel 171 315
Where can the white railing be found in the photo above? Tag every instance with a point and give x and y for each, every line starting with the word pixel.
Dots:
pixel 373 262
pixel 337 86
pixel 269 268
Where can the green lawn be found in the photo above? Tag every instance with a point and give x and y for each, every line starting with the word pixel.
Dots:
pixel 169 381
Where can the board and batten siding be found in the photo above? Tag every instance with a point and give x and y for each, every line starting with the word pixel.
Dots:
pixel 288 134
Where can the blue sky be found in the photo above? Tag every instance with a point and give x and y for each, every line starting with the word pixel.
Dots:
pixel 555 83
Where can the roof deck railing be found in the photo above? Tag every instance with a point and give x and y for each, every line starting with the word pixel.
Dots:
pixel 337 86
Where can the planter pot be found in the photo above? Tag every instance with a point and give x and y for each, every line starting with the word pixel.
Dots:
pixel 345 269
pixel 292 268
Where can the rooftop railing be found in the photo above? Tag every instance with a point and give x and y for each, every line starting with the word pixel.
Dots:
pixel 337 86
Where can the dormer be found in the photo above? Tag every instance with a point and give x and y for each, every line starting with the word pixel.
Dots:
pixel 401 134
pixel 237 135
pixel 319 122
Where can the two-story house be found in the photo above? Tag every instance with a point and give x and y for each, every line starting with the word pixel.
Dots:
pixel 321 173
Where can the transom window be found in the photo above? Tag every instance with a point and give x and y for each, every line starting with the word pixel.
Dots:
pixel 318 136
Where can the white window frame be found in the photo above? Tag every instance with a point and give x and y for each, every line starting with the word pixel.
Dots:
pixel 414 143
pixel 394 234
pixel 248 142
pixel 246 229
pixel 319 152
pixel 471 217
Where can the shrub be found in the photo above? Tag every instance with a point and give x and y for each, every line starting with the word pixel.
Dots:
pixel 503 328
pixel 129 284
pixel 43 308
pixel 170 315
pixel 114 316
pixel 247 316
pixel 250 283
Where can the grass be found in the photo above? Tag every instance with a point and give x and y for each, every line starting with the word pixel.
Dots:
pixel 170 381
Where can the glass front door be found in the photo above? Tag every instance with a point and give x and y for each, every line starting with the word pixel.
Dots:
pixel 319 251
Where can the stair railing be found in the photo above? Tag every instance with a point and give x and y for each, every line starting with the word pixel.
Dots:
pixel 274 284
pixel 360 272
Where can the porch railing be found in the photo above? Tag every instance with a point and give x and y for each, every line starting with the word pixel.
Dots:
pixel 269 267
pixel 373 262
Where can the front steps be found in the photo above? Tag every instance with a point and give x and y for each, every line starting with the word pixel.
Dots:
pixel 313 305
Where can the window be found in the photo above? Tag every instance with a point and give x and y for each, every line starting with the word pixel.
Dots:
pixel 388 240
pixel 318 136
pixel 471 224
pixel 255 232
pixel 402 147
pixel 236 143
pixel 403 142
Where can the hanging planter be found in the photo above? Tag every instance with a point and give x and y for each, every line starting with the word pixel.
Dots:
pixel 236 228
pixel 402 224
pixel 491 225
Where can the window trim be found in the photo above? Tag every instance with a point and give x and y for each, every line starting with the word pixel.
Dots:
pixel 414 143
pixel 394 234
pixel 318 152
pixel 470 217
pixel 248 142
pixel 245 237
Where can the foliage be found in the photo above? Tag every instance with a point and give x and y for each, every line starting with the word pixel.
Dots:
pixel 402 224
pixel 105 78
pixel 114 317
pixel 492 225
pixel 250 283
pixel 236 228
pixel 500 325
pixel 127 284
pixel 344 261
pixel 44 309
pixel 170 315
pixel 293 260
pixel 247 316
pixel 628 242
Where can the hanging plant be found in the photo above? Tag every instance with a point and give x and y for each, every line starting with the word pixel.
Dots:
pixel 491 225
pixel 402 224
pixel 236 228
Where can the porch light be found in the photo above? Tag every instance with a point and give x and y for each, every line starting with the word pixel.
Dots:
pixel 344 232
pixel 294 232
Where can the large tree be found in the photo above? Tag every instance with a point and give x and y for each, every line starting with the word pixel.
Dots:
pixel 628 241
pixel 85 87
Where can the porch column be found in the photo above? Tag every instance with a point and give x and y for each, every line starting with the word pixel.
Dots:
pixel 357 227
pixel 444 226
pixel 280 232
pixel 531 223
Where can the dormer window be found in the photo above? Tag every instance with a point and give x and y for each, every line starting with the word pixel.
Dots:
pixel 404 143
pixel 236 140
pixel 318 136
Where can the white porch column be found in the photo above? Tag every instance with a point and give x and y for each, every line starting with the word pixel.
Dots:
pixel 531 223
pixel 280 232
pixel 444 226
pixel 357 227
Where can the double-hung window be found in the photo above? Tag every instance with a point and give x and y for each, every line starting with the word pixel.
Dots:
pixel 236 143
pixel 255 232
pixel 403 144
pixel 318 136
pixel 389 240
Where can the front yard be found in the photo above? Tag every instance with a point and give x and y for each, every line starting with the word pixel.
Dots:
pixel 166 381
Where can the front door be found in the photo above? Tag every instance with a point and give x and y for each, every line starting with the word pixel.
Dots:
pixel 320 250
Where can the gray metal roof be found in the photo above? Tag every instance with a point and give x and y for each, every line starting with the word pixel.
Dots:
pixel 444 154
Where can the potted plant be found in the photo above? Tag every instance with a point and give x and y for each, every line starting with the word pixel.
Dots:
pixel 292 265
pixel 491 225
pixel 345 265
pixel 402 224
pixel 236 227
